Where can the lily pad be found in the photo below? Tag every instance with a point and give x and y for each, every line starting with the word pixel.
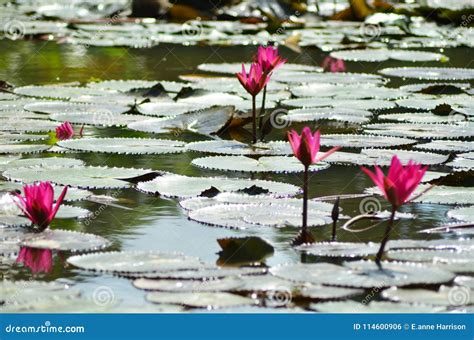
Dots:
pixel 206 273
pixel 340 249
pixel 430 73
pixel 452 145
pixel 232 68
pixel 59 92
pixel 372 307
pixel 363 141
pixel 422 131
pixel 263 164
pixel 328 78
pixel 97 118
pixel 56 107
pixel 27 125
pixel 200 299
pixel 138 262
pixel 421 117
pixel 171 185
pixel 367 104
pixel 84 177
pixel 465 214
pixel 338 114
pixel 22 148
pixel 233 147
pixel 378 55
pixel 319 292
pixel 123 85
pixel 445 296
pixel 130 146
pixel 226 284
pixel 168 109
pixel 208 121
pixel 65 240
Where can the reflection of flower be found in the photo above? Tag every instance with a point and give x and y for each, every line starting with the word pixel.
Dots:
pixel 38 260
pixel 66 131
pixel 38 203
pixel 331 64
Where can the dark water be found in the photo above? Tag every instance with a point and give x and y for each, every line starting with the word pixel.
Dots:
pixel 154 223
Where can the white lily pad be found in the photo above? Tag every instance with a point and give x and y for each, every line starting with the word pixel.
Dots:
pixel 421 117
pixel 22 148
pixel 338 114
pixel 171 185
pixel 378 55
pixel 130 146
pixel 363 141
pixel 432 255
pixel 27 125
pixel 232 68
pixel 233 147
pixel 372 307
pixel 327 77
pixel 97 118
pixel 206 273
pixel 451 145
pixel 84 177
pixel 209 300
pixel 319 292
pixel 59 92
pixel 445 296
pixel 282 164
pixel 123 85
pixel 366 104
pixel 225 284
pixel 340 249
pixel 430 73
pixel 425 131
pixel 65 240
pixel 369 91
pixel 138 262
pixel 168 109
pixel 55 107
pixel 465 214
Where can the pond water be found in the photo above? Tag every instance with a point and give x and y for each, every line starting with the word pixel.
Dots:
pixel 154 223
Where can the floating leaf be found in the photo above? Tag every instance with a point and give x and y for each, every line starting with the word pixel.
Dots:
pixel 339 114
pixel 321 90
pixel 168 109
pixel 425 131
pixel 65 240
pixel 56 107
pixel 232 68
pixel 340 249
pixel 59 92
pixel 138 262
pixel 250 249
pixel 130 146
pixel 200 299
pixel 233 147
pixel 97 118
pixel 445 296
pixel 318 292
pixel 122 85
pixel 367 104
pixel 452 145
pixel 328 78
pixel 22 148
pixel 171 185
pixel 363 141
pixel 465 214
pixel 378 55
pixel 27 125
pixel 430 73
pixel 372 307
pixel 421 117
pixel 206 273
pixel 226 284
pixel 263 164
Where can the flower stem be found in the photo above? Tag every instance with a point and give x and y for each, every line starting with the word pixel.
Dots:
pixel 254 123
pixel 262 112
pixel 386 236
pixel 305 201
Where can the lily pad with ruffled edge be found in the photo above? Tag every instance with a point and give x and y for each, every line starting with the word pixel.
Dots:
pixel 15 114
pixel 202 97
pixel 205 273
pixel 217 285
pixel 227 84
pixel 319 292
pixel 367 104
pixel 328 78
pixel 122 85
pixel 56 107
pixel 207 121
pixel 462 103
pixel 128 146
pixel 463 162
pixel 444 296
pixel 19 292
pixel 134 262
pixel 421 117
pixel 429 73
pixel 22 148
pixel 60 92
pixel 340 249
pixel 209 300
pixel 372 307
pixel 363 274
pixel 465 214
pixel 349 115
pixel 178 186
pixel 363 141
pixel 278 164
pixel 439 194
pixel 73 194
pixel 432 255
pixel 436 88
pixel 97 118
pixel 422 131
pixel 65 240
pixel 368 91
pixel 17 104
pixel 27 125
pixel 85 177
pixel 168 109
pixel 7 96
pixel 383 157
pixel 8 248
pixel 232 68
pixel 233 147
pixel 21 137
pixel 377 55
pixel 448 146
pixel 251 216
pixel 44 161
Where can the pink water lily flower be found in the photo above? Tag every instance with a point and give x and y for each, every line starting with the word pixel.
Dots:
pixel 269 59
pixel 400 182
pixel 255 80
pixel 306 146
pixel 64 131
pixel 333 65
pixel 38 203
pixel 38 260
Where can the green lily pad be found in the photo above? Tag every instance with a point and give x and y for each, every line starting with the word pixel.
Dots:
pixel 138 262
pixel 178 186
pixel 277 164
pixel 130 146
pixel 65 240
pixel 233 147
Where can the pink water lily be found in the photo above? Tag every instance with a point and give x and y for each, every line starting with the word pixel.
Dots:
pixel 38 260
pixel 38 203
pixel 397 187
pixel 255 80
pixel 269 59
pixel 64 131
pixel 400 182
pixel 306 146
pixel 331 64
